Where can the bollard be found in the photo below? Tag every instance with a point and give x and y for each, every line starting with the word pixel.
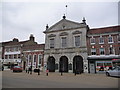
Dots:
pixel 46 74
pixel 61 74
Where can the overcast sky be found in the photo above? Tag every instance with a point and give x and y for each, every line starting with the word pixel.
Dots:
pixel 20 19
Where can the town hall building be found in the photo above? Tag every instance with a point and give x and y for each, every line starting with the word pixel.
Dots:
pixel 66 47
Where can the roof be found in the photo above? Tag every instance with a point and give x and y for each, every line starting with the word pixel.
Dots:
pixel 65 24
pixel 34 47
pixel 104 30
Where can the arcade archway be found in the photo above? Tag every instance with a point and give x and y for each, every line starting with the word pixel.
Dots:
pixel 78 64
pixel 63 64
pixel 51 64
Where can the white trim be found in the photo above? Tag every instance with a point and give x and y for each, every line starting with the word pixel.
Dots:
pixel 33 50
pixel 99 40
pixel 39 59
pixel 90 41
pixel 112 39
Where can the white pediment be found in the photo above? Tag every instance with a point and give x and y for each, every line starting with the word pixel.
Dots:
pixel 65 24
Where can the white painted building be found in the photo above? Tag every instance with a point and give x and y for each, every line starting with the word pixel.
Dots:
pixel 65 47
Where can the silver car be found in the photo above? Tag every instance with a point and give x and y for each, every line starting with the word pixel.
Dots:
pixel 114 72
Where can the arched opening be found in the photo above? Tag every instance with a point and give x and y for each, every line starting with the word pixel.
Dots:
pixel 78 64
pixel 63 64
pixel 51 64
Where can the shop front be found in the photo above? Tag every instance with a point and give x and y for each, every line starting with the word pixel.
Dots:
pixel 101 64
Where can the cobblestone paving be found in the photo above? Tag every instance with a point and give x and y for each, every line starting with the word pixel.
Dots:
pixel 68 80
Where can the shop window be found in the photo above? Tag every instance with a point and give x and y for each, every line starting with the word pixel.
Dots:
pixel 15 56
pixel 92 40
pixel 103 65
pixel 10 56
pixel 39 59
pixel 35 57
pixel 93 51
pixel 102 51
pixel 52 43
pixel 18 55
pixel 77 41
pixel 6 56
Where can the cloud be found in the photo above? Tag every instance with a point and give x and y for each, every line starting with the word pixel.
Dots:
pixel 20 19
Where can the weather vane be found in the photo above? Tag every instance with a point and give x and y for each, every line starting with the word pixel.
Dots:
pixel 66 9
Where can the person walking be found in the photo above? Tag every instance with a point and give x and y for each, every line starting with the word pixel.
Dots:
pixel 38 70
pixel 2 68
pixel 26 69
pixel 47 72
pixel 30 69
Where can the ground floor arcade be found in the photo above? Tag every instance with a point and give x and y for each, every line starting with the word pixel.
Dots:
pixel 66 63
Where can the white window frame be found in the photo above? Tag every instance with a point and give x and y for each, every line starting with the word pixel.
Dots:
pixel 100 40
pixel 118 38
pixel 112 39
pixel 103 50
pixel 113 50
pixel 91 40
pixel 92 50
pixel 39 59
pixel 34 58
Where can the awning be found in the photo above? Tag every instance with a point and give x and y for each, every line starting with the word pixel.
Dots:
pixel 116 60
pixel 103 57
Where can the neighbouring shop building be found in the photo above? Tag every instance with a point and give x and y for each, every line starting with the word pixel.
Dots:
pixel 16 52
pixel 65 46
pixel 103 48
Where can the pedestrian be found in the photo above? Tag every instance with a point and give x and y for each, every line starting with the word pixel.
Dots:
pixel 75 72
pixel 2 68
pixel 30 69
pixel 38 71
pixel 47 72
pixel 26 69
pixel 61 73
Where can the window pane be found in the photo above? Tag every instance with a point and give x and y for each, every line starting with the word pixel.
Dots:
pixel 64 42
pixel 119 38
pixel 93 51
pixel 111 50
pixel 92 40
pixel 40 58
pixel 102 51
pixel 101 40
pixel 110 39
pixel 77 40
pixel 51 43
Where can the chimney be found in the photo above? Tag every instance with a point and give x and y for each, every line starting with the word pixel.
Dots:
pixel 15 40
pixel 32 38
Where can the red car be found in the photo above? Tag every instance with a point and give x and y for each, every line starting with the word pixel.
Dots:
pixel 17 69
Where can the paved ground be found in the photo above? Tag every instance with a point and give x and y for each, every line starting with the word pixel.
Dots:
pixel 55 80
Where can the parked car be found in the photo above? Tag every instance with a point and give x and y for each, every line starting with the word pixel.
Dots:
pixel 114 72
pixel 17 69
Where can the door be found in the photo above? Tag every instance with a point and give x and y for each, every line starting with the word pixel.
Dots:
pixel 92 68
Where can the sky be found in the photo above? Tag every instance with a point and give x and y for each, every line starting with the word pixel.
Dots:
pixel 22 18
